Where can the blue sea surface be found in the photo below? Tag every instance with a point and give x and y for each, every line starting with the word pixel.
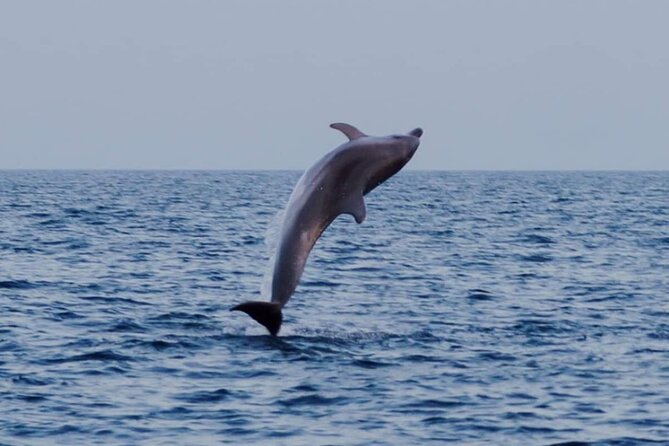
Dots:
pixel 478 308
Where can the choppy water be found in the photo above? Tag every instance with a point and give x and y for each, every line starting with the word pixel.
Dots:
pixel 469 308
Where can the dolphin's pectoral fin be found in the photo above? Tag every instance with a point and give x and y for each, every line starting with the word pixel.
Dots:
pixel 267 314
pixel 348 130
pixel 355 206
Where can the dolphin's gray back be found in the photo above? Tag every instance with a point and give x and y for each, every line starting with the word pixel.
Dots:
pixel 333 186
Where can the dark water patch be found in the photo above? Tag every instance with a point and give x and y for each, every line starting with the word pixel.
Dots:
pixel 305 388
pixel 477 294
pixel 437 420
pixel 112 300
pixel 621 297
pixel 179 316
pixel 521 415
pixel 496 356
pixel 38 215
pixel 434 404
pixel 205 397
pixel 544 327
pixel 537 239
pixel 573 443
pixel 637 351
pixel 162 344
pixel 28 380
pixel 32 397
pixel 66 315
pixel 66 429
pixel 127 325
pixel 370 363
pixel 439 233
pixel 237 432
pixel 7 345
pixel 320 284
pixel 77 212
pixel 537 258
pixel 662 240
pixel 106 371
pixel 620 441
pixel 521 396
pixel 584 290
pixel 17 285
pixel 100 355
pixel 154 244
pixel 312 400
pixel 52 223
pixel 187 321
pixel 661 332
pixel 19 249
pixel 586 408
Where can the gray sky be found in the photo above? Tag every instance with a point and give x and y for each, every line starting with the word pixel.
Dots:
pixel 254 84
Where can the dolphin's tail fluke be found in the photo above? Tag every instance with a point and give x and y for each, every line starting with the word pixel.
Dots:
pixel 265 313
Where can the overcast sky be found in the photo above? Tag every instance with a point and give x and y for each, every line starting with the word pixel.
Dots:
pixel 255 84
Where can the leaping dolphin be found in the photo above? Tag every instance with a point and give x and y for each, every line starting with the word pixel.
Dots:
pixel 333 186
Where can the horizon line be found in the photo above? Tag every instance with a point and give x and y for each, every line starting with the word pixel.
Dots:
pixel 172 169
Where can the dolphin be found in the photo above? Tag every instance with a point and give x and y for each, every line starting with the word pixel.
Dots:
pixel 335 185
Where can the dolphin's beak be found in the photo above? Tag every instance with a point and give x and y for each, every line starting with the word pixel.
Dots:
pixel 417 132
pixel 415 141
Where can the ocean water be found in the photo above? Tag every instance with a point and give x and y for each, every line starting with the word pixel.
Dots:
pixel 469 308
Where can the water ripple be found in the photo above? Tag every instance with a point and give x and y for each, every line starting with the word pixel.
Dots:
pixel 469 308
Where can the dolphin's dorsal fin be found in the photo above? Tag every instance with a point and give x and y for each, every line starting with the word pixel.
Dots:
pixel 348 130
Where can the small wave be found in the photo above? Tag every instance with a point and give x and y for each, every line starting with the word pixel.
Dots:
pixel 542 327
pixel 76 212
pixel 204 396
pixel 53 222
pixel 186 321
pixel 620 441
pixel 38 215
pixel 370 363
pixel 320 284
pixel 179 315
pixel 583 290
pixel 18 249
pixel 537 258
pixel 323 336
pixel 17 285
pixel 312 400
pixel 110 300
pixel 160 344
pixel 572 443
pixel 32 397
pixel 538 239
pixel 64 315
pixel 610 297
pixel 660 333
pixel 365 269
pixel 479 294
pixel 30 380
pixel 496 356
pixel 127 325
pixel 435 404
pixel 100 355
